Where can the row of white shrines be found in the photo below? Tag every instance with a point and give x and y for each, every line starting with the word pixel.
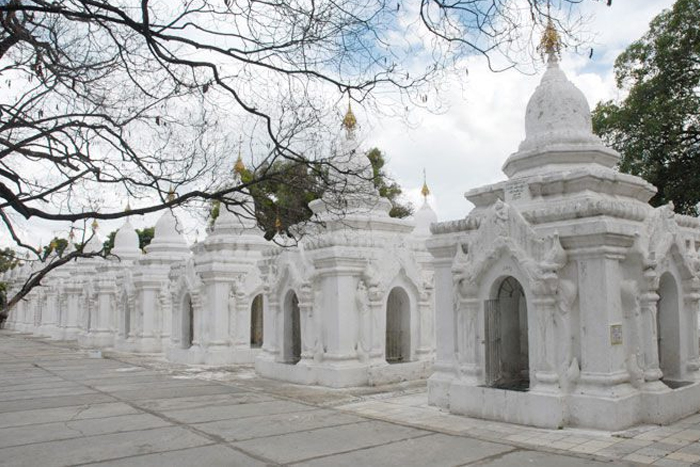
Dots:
pixel 563 298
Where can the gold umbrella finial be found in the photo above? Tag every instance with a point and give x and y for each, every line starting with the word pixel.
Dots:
pixel 239 166
pixel 550 44
pixel 171 194
pixel 349 121
pixel 94 225
pixel 278 223
pixel 425 191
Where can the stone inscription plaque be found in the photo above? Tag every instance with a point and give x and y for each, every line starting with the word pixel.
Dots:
pixel 615 334
pixel 516 190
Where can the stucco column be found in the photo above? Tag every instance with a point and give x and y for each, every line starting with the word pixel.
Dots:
pixel 338 279
pixel 648 302
pixel 689 319
pixel 216 314
pixel 427 331
pixel 602 334
pixel 445 331
pixel 468 340
pixel 147 317
pixel 309 336
pixel 241 321
pixel 271 316
pixel 542 345
pixel 377 323
pixel 50 315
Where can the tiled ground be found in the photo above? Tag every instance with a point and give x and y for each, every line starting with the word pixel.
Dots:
pixel 59 407
pixel 674 445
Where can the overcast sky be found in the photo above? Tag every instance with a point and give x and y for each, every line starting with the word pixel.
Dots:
pixel 466 146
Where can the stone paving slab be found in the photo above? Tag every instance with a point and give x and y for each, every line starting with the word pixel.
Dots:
pixel 541 459
pixel 17 436
pixel 99 448
pixel 435 450
pixel 18 395
pixel 183 403
pixel 209 456
pixel 169 383
pixel 205 389
pixel 48 402
pixel 223 412
pixel 61 414
pixel 239 429
pixel 294 447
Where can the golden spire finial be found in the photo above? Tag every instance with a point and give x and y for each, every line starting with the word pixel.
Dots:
pixel 71 234
pixel 94 225
pixel 550 44
pixel 239 166
pixel 171 194
pixel 278 223
pixel 425 191
pixel 349 121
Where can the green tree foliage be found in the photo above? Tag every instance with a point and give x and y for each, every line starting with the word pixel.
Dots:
pixel 656 127
pixel 145 237
pixel 282 200
pixel 8 259
pixel 387 187
pixel 58 245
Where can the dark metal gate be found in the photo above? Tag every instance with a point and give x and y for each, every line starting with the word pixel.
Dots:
pixel 296 331
pixel 256 322
pixel 492 319
pixel 394 329
pixel 189 339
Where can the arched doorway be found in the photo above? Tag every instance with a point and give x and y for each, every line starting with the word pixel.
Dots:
pixel 668 330
pixel 505 317
pixel 256 322
pixel 187 322
pixel 398 326
pixel 292 329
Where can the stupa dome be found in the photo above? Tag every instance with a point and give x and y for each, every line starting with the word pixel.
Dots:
pixel 557 113
pixel 94 245
pixel 167 241
pixel 126 242
pixel 558 130
pixel 423 218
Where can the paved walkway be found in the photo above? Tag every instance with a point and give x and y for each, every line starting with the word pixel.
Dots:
pixel 59 406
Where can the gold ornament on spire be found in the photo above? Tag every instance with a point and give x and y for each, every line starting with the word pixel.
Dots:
pixel 95 225
pixel 550 44
pixel 239 166
pixel 425 191
pixel 127 209
pixel 349 121
pixel 71 234
pixel 278 223
pixel 171 194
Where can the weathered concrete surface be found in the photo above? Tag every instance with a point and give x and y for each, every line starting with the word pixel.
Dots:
pixel 58 407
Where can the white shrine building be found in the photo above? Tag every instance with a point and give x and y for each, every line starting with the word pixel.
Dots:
pixel 352 304
pixel 563 298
